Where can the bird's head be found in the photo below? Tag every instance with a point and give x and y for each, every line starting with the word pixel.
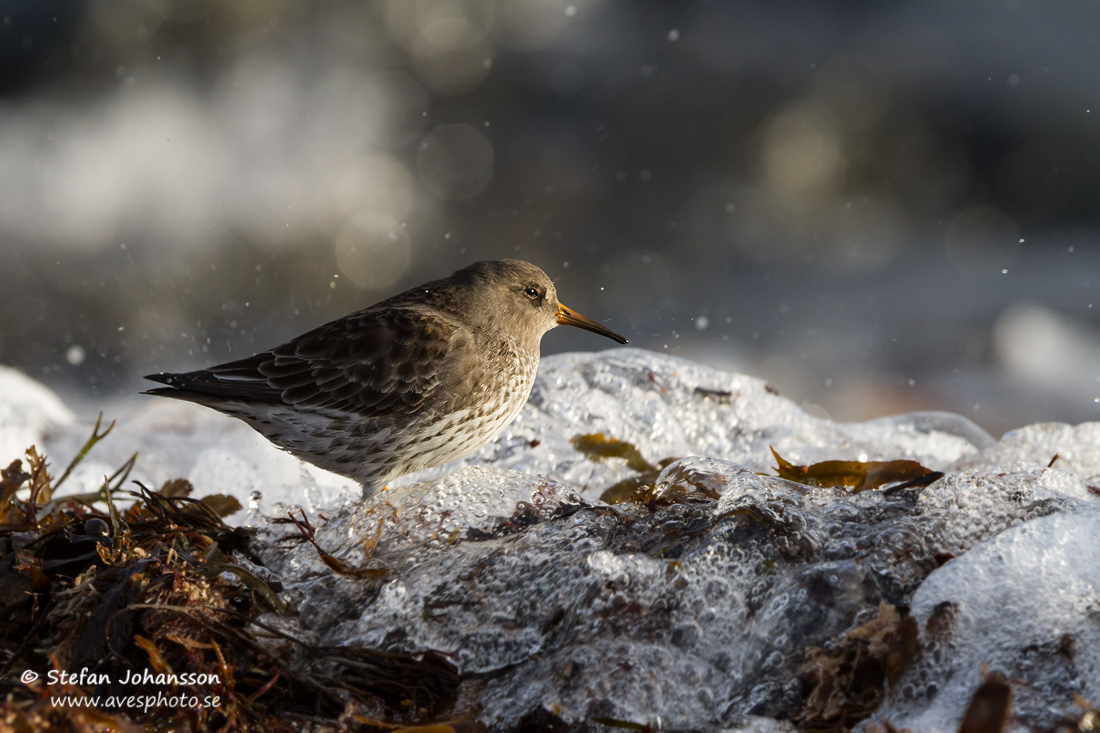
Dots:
pixel 514 291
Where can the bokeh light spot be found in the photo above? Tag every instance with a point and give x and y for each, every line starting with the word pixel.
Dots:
pixel 802 156
pixel 390 108
pixel 455 161
pixel 373 251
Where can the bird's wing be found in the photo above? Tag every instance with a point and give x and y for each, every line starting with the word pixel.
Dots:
pixel 372 363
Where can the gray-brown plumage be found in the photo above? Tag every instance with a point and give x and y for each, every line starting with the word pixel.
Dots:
pixel 424 377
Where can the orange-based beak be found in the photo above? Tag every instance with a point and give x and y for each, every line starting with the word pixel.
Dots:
pixel 569 317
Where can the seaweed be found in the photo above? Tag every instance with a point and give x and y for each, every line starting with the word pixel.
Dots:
pixel 114 600
pixel 331 561
pixel 846 681
pixel 597 446
pixel 857 475
pixel 636 489
pixel 990 706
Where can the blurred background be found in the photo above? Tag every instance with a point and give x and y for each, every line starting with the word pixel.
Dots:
pixel 875 206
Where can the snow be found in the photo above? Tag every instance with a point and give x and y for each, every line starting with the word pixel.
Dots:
pixel 218 455
pixel 29 412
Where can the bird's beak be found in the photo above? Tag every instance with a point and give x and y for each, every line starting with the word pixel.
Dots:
pixel 569 317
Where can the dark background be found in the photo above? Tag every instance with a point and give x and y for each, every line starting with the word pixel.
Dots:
pixel 876 207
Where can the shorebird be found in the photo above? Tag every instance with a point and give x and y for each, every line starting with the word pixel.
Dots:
pixel 421 378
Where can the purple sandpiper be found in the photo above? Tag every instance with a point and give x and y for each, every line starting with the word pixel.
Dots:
pixel 419 379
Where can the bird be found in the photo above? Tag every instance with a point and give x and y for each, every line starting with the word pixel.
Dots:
pixel 416 380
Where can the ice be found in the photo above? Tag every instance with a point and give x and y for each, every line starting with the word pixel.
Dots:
pixel 1075 446
pixel 697 614
pixel 671 408
pixel 1027 605
pixel 971 506
pixel 470 504
pixel 698 608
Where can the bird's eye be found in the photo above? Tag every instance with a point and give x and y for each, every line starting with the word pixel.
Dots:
pixel 532 293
